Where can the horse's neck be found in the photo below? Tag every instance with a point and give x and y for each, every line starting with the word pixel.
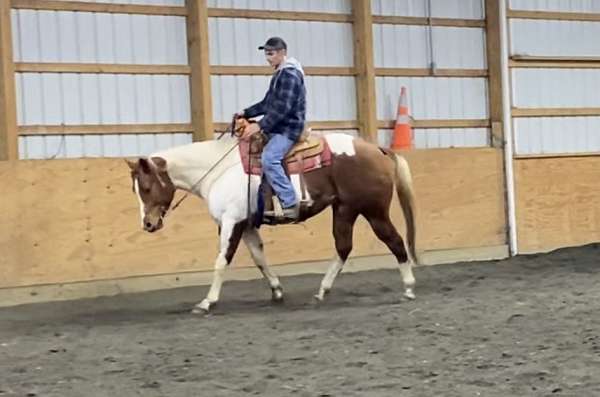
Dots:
pixel 195 166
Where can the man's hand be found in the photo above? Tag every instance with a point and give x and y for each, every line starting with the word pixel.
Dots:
pixel 250 130
pixel 238 115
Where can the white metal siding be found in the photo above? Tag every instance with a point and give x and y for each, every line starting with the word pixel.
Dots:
pixel 141 2
pixel 328 98
pixel 537 135
pixel 63 36
pixel 333 6
pixel 554 38
pixel 556 5
pixel 234 41
pixel 113 145
pixel 467 9
pixel 435 138
pixel 52 98
pixel 70 98
pixel 434 97
pixel 408 46
pixel 560 88
pixel 556 87
pixel 79 98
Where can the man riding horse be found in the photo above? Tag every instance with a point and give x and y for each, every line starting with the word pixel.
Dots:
pixel 284 110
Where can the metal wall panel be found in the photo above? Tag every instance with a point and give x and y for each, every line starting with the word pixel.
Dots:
pixel 554 38
pixel 141 2
pixel 539 135
pixel 556 87
pixel 51 98
pixel 333 6
pixel 435 138
pixel 69 98
pixel 556 5
pixel 234 41
pixel 408 46
pixel 61 36
pixel 434 97
pixel 328 98
pixel 467 9
pixel 113 145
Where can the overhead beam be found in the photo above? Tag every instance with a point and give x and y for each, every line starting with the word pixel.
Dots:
pixel 554 112
pixel 279 15
pixel 423 21
pixel 267 70
pixel 440 123
pixel 104 129
pixel 47 67
pixel 554 15
pixel 427 72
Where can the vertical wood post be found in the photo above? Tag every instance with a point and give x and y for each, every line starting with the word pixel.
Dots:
pixel 365 68
pixel 201 102
pixel 492 23
pixel 8 106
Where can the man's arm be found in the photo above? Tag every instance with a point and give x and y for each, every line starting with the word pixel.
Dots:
pixel 283 100
pixel 258 109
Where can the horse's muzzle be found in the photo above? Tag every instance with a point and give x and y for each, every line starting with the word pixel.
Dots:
pixel 151 227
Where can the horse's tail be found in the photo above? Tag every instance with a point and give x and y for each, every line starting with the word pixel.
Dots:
pixel 404 189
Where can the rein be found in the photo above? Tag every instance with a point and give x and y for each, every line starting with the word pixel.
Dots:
pixel 232 128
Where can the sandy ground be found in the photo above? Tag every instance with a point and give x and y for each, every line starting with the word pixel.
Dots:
pixel 528 326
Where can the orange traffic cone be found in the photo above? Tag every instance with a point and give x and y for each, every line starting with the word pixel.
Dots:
pixel 403 137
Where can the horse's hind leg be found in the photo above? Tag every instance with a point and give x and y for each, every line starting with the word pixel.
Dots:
pixel 387 233
pixel 255 246
pixel 343 225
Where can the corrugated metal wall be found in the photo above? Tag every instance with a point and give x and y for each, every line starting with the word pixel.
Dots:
pixel 468 9
pixel 54 99
pixel 234 41
pixel 403 46
pixel 556 5
pixel 555 88
pixel 333 6
pixel 73 99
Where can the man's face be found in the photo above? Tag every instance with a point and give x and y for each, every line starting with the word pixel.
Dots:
pixel 275 57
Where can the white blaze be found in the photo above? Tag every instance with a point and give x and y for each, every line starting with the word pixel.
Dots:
pixel 137 193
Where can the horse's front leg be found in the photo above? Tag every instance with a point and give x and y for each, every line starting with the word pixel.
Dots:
pixel 230 234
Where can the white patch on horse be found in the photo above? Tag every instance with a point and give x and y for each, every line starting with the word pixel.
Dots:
pixel 341 144
pixel 136 187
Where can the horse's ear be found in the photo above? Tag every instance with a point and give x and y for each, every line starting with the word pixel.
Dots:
pixel 161 164
pixel 132 164
pixel 144 165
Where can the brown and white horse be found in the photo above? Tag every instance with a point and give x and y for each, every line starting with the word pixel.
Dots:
pixel 359 181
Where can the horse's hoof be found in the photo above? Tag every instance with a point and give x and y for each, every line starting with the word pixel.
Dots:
pixel 409 294
pixel 321 295
pixel 202 307
pixel 277 294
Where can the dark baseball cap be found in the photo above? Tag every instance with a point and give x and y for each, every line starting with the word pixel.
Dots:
pixel 274 43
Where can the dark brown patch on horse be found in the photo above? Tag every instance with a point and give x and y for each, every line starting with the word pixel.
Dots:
pixel 361 184
pixel 234 240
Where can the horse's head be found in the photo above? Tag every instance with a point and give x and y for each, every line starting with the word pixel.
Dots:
pixel 154 190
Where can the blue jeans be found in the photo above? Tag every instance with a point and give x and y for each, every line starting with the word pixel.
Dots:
pixel 272 158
